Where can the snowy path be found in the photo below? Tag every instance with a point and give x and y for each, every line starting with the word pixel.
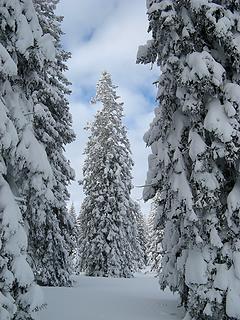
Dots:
pixel 111 299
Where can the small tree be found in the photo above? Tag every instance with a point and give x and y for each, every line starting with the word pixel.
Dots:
pixel 76 236
pixel 155 237
pixel 78 266
pixel 108 226
pixel 72 212
pixel 141 250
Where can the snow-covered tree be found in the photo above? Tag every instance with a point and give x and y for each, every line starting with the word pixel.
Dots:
pixel 72 212
pixel 75 237
pixel 155 236
pixel 23 161
pixel 195 150
pixel 141 250
pixel 51 229
pixel 108 224
pixel 80 232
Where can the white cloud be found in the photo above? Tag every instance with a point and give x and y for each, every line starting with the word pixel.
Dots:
pixel 104 35
pixel 82 18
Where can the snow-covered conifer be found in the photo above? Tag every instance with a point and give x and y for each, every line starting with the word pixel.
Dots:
pixel 23 161
pixel 72 212
pixel 51 229
pixel 108 224
pixel 141 250
pixel 195 150
pixel 78 267
pixel 75 238
pixel 155 237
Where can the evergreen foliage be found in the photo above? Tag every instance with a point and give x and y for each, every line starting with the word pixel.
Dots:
pixel 195 150
pixel 51 229
pixel 78 266
pixel 72 212
pixel 155 237
pixel 23 161
pixel 108 226
pixel 75 237
pixel 141 250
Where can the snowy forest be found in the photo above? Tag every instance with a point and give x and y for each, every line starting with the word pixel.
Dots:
pixel 120 160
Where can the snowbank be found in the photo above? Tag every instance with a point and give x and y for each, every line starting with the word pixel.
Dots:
pixel 111 299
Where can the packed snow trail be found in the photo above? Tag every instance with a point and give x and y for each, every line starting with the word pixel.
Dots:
pixel 111 299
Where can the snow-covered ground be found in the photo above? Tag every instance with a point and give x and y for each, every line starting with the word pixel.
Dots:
pixel 111 299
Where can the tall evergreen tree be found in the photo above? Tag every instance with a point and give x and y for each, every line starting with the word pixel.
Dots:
pixel 51 229
pixel 108 224
pixel 24 166
pixel 195 150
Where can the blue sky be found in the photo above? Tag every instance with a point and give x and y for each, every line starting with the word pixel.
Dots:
pixel 105 35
